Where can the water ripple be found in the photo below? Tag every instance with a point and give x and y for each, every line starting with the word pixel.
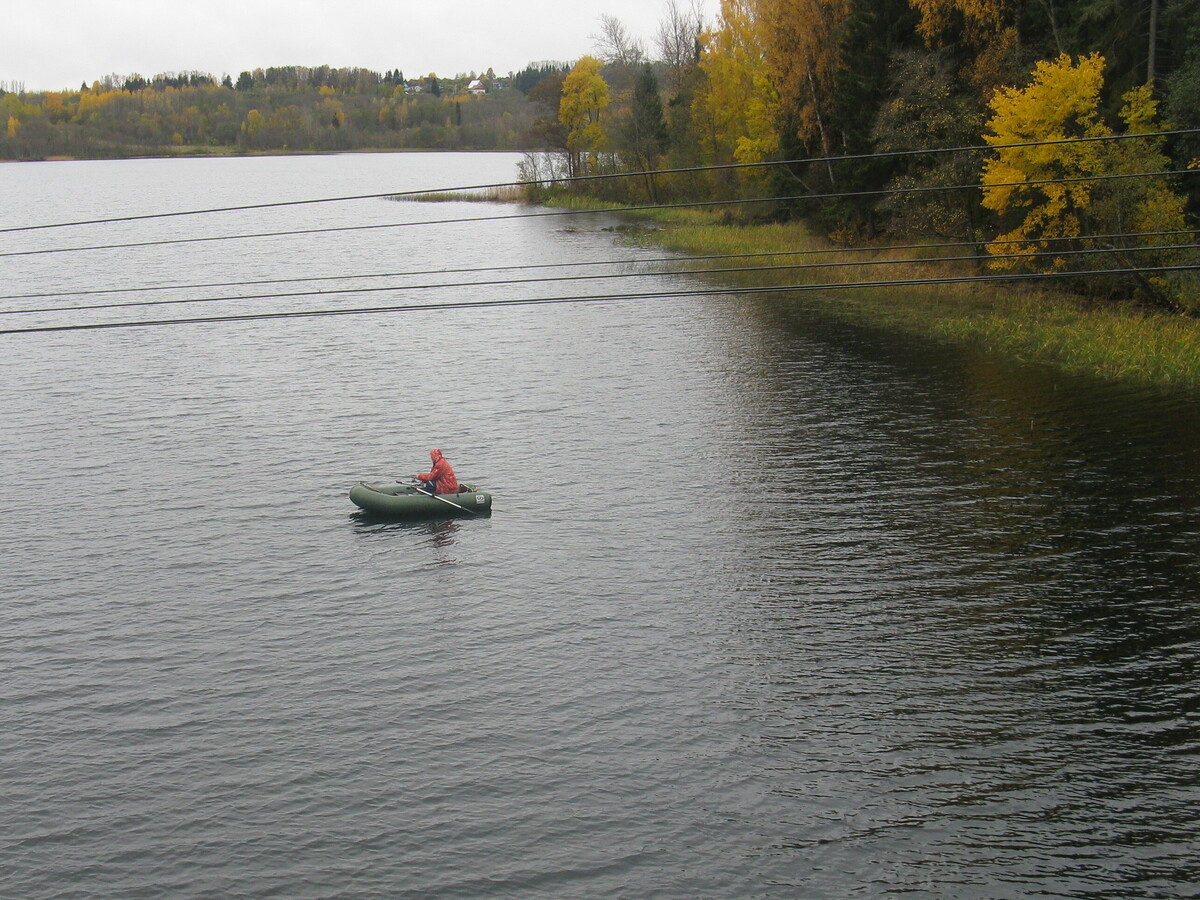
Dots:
pixel 768 607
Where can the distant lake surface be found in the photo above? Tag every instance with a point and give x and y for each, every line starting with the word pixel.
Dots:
pixel 768 607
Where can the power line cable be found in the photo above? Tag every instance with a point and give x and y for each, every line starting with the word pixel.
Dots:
pixel 818 160
pixel 508 282
pixel 887 248
pixel 575 212
pixel 594 298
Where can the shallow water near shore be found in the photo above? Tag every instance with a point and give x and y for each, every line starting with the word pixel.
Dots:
pixel 767 606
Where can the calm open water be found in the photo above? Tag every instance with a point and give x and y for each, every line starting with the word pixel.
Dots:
pixel 768 606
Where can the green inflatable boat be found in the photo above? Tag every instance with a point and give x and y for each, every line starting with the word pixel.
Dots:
pixel 407 501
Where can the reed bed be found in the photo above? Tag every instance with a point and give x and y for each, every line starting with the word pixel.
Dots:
pixel 503 193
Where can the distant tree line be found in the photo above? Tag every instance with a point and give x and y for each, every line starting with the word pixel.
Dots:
pixel 277 109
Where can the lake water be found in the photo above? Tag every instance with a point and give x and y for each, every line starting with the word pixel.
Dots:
pixel 768 606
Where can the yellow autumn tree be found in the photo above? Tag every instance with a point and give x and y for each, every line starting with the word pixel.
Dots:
pixel 1062 102
pixel 1046 191
pixel 585 95
pixel 800 40
pixel 1147 206
pixel 737 104
pixel 253 126
pixel 333 112
pixel 53 104
pixel 94 101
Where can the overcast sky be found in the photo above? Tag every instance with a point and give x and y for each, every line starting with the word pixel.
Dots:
pixel 56 44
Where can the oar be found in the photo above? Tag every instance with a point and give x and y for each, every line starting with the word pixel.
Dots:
pixel 470 512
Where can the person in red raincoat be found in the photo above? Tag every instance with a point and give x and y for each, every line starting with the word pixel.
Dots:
pixel 440 479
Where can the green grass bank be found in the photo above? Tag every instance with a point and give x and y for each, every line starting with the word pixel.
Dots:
pixel 1113 341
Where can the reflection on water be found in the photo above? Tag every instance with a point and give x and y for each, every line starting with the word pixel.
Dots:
pixel 441 539
pixel 434 537
pixel 979 596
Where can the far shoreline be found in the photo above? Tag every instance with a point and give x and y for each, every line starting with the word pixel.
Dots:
pixel 233 153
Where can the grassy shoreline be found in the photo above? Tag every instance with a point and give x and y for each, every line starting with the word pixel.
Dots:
pixel 1123 343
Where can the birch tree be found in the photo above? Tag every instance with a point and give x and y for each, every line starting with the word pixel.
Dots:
pixel 584 97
